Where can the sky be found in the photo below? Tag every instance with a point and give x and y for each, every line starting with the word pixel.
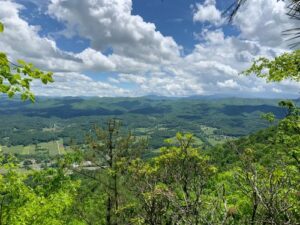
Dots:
pixel 147 47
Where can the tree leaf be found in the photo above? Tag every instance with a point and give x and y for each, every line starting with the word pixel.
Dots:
pixel 1 27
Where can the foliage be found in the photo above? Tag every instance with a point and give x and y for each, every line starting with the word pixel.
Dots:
pixel 34 198
pixel 110 150
pixel 16 79
pixel 285 66
pixel 269 117
pixel 1 27
pixel 170 187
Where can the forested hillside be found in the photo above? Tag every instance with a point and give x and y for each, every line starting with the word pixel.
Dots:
pixel 211 120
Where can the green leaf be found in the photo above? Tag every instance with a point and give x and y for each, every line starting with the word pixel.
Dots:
pixel 21 62
pixel 44 79
pixel 1 27
pixel 24 97
pixel 31 97
pixel 18 83
pixel 17 76
pixel 10 94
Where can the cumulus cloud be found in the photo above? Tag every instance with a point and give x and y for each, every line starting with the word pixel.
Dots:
pixel 228 84
pixel 143 60
pixel 131 78
pixel 110 24
pixel 166 83
pixel 207 12
pixel 95 60
pixel 76 84
pixel 22 40
pixel 264 21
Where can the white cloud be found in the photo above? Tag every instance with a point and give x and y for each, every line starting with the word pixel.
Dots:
pixel 276 90
pixel 76 84
pixel 228 84
pixel 110 24
pixel 264 21
pixel 96 60
pixel 21 40
pixel 131 78
pixel 142 60
pixel 207 12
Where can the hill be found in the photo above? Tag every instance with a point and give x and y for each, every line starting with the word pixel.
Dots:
pixel 213 121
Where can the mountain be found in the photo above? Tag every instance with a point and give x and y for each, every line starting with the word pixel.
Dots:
pixel 212 120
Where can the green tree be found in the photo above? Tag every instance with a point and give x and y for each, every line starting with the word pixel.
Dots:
pixel 271 190
pixel 34 198
pixel 110 150
pixel 171 187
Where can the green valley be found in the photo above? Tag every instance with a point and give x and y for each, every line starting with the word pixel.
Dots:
pixel 211 120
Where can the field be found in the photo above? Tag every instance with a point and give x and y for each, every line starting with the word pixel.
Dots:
pixel 53 147
pixel 213 136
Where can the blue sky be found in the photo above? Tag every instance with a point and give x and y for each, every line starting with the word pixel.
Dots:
pixel 171 17
pixel 141 47
pixel 175 18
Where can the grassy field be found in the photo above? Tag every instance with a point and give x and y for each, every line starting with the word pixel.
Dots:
pixel 54 147
pixel 213 138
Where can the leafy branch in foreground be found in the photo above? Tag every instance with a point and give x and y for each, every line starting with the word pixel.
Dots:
pixel 285 66
pixel 16 78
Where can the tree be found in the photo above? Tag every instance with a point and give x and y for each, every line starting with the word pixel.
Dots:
pixel 110 151
pixel 16 78
pixel 171 187
pixel 43 197
pixel 271 191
